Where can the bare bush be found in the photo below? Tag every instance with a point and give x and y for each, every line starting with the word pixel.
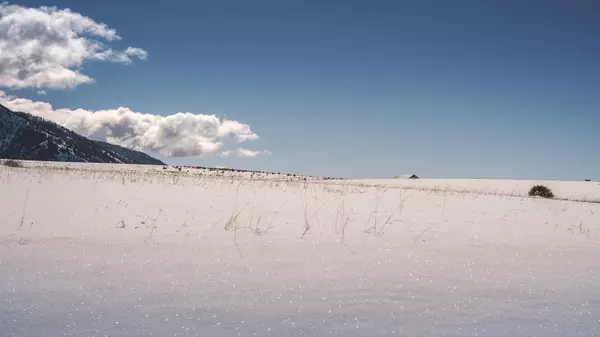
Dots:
pixel 12 163
pixel 541 191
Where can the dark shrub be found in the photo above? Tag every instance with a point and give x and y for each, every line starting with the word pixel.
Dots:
pixel 541 191
pixel 12 163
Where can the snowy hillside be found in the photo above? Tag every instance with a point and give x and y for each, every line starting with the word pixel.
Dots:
pixel 24 136
pixel 147 251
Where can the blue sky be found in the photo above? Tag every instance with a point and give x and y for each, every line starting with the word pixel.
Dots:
pixel 458 89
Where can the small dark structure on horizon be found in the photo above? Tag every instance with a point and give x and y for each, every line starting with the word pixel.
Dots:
pixel 407 176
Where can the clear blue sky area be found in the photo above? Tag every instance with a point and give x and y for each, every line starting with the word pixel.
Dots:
pixel 465 89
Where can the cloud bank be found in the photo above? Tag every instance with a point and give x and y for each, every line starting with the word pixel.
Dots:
pixel 46 47
pixel 182 134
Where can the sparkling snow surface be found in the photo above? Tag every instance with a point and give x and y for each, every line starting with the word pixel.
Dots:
pixel 102 250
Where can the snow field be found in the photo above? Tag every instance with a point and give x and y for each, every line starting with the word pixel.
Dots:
pixel 144 253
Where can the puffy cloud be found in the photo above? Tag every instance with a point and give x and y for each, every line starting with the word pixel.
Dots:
pixel 46 47
pixel 177 135
pixel 137 52
pixel 245 153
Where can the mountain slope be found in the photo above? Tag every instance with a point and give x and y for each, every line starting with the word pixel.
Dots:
pixel 24 136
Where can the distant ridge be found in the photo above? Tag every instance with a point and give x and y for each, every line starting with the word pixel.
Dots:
pixel 28 137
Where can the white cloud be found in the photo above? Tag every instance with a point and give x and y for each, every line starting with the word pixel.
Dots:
pixel 46 47
pixel 137 52
pixel 244 153
pixel 178 135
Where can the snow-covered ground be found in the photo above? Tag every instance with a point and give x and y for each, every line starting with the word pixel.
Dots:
pixel 565 190
pixel 96 250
